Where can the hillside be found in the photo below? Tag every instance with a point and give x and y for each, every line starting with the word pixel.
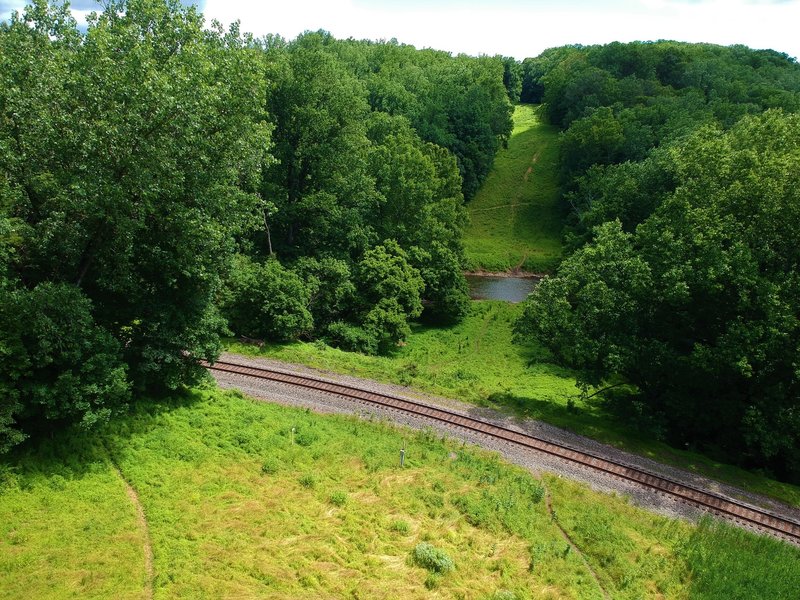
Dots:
pixel 515 220
pixel 236 505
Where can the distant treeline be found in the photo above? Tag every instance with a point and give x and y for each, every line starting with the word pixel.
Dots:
pixel 161 182
pixel 681 169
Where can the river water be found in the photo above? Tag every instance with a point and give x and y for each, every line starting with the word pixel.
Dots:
pixel 491 287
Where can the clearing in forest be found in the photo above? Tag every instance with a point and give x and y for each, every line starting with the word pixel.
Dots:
pixel 516 220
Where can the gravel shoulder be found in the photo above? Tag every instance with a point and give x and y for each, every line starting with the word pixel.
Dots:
pixel 534 461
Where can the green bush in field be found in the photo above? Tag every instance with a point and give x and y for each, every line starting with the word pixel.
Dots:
pixel 338 498
pixel 400 526
pixel 431 558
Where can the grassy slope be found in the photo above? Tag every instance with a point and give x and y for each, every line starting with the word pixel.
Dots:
pixel 515 218
pixel 67 527
pixel 476 361
pixel 235 509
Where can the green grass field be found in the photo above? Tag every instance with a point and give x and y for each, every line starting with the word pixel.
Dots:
pixel 515 219
pixel 238 507
pixel 477 361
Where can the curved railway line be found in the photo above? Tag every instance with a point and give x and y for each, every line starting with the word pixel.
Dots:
pixel 740 512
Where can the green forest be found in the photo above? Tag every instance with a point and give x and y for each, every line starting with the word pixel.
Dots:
pixel 167 182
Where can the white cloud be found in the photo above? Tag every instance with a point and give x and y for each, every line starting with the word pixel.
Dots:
pixel 525 29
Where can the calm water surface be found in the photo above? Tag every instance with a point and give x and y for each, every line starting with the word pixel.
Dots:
pixel 510 289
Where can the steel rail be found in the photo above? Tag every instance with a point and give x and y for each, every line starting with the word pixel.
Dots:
pixel 740 512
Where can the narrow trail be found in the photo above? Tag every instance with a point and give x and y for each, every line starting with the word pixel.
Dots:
pixel 518 266
pixel 549 503
pixel 534 160
pixel 143 527
pixel 503 206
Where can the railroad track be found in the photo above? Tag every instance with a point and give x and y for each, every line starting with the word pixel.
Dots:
pixel 742 513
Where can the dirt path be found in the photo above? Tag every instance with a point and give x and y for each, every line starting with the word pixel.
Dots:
pixel 534 160
pixel 554 517
pixel 503 206
pixel 143 527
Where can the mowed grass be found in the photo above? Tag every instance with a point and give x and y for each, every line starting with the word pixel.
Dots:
pixel 477 361
pixel 515 218
pixel 240 506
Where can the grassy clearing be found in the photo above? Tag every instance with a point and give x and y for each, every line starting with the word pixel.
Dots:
pixel 235 509
pixel 515 217
pixel 476 361
pixel 67 527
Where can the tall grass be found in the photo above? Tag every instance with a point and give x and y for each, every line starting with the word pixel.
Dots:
pixel 477 361
pixel 67 527
pixel 221 480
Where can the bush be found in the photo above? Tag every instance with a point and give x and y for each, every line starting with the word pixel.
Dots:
pixel 431 558
pixel 338 498
pixel 266 300
pixel 56 363
pixel 351 338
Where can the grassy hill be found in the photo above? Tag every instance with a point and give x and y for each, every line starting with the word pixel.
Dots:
pixel 237 506
pixel 515 218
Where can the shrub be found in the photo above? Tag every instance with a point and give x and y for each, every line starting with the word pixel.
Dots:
pixel 400 526
pixel 266 300
pixel 308 481
pixel 338 498
pixel 431 558
pixel 351 337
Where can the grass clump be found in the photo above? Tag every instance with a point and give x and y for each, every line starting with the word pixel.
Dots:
pixel 338 498
pixel 433 559
pixel 308 481
pixel 401 527
pixel 270 467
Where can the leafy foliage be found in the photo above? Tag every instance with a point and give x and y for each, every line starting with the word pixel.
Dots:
pixel 56 363
pixel 127 156
pixel 698 306
pixel 140 156
pixel 265 300
pixel 435 560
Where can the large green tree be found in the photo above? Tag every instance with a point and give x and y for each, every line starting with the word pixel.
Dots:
pixel 698 307
pixel 129 155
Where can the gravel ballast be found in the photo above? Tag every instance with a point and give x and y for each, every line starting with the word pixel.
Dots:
pixel 534 461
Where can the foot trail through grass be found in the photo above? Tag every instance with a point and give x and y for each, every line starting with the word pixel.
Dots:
pixel 141 520
pixel 246 499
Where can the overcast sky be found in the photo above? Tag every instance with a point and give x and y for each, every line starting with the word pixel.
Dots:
pixel 518 28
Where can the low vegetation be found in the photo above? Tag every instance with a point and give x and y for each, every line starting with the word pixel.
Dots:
pixel 477 361
pixel 516 218
pixel 453 519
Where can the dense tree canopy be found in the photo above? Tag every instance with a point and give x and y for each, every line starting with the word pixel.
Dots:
pixel 162 181
pixel 679 165
pixel 620 103
pixel 127 158
pixel 698 305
